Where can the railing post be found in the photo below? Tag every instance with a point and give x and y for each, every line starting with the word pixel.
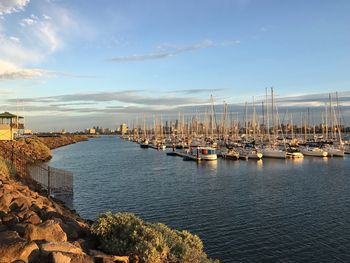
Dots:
pixel 12 152
pixel 48 181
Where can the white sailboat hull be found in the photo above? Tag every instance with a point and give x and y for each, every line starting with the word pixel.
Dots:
pixel 274 154
pixel 336 152
pixel 314 153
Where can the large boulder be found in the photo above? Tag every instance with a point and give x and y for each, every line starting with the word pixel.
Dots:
pixel 20 203
pixel 13 247
pixel 29 216
pixel 50 231
pixel 60 247
pixel 10 219
pixel 5 201
pixel 64 257
pixel 101 257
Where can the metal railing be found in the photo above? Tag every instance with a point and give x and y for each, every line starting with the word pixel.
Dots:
pixel 57 182
pixel 53 179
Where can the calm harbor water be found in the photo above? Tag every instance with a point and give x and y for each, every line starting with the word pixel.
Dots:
pixel 244 211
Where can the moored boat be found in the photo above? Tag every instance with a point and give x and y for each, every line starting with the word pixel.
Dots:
pixel 201 153
pixel 230 154
pixel 274 153
pixel 144 144
pixel 314 151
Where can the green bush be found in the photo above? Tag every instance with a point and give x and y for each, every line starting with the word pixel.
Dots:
pixel 126 234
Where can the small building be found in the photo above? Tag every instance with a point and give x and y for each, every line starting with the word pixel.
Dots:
pixel 11 126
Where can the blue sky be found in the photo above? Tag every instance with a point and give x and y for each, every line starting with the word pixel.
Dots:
pixel 95 62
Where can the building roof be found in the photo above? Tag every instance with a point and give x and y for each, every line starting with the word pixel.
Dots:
pixel 7 115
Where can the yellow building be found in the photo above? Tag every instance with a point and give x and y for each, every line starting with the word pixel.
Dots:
pixel 123 128
pixel 10 126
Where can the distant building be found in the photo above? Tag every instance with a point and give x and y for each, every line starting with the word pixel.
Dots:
pixel 91 131
pixel 123 129
pixel 11 126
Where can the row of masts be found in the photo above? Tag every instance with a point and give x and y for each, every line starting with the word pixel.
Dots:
pixel 265 126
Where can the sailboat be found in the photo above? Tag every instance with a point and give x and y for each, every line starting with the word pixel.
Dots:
pixel 273 151
pixel 313 151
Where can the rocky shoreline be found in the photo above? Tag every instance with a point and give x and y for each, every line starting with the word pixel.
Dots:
pixel 36 228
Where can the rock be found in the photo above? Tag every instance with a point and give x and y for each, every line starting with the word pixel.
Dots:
pixel 5 202
pixel 29 216
pixel 50 231
pixel 3 228
pixel 35 208
pixel 62 257
pixel 19 228
pixel 101 257
pixel 20 203
pixel 2 214
pixel 60 247
pixel 86 244
pixel 10 219
pixel 72 234
pixel 13 247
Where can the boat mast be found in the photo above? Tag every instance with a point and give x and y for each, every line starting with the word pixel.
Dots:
pixel 273 114
pixel 254 120
pixel 330 112
pixel 267 117
pixel 245 120
pixel 326 119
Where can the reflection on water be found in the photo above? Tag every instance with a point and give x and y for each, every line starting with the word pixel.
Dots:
pixel 257 211
pixel 209 164
pixel 260 164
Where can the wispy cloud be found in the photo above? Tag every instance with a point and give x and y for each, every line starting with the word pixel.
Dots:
pixel 171 50
pixel 197 91
pixel 10 71
pixel 315 100
pixel 11 6
pixel 35 37
pixel 130 97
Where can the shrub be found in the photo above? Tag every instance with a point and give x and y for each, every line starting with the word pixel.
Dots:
pixel 126 234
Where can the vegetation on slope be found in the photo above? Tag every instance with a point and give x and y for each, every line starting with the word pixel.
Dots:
pixel 6 169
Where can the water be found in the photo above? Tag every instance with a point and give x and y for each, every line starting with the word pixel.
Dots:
pixel 244 211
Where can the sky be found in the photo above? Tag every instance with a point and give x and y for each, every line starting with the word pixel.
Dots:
pixel 74 64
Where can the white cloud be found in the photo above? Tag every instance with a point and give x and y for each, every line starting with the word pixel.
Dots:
pixel 28 22
pixel 47 33
pixel 46 17
pixel 30 39
pixel 12 50
pixel 6 91
pixel 9 71
pixel 10 6
pixel 14 39
pixel 167 51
